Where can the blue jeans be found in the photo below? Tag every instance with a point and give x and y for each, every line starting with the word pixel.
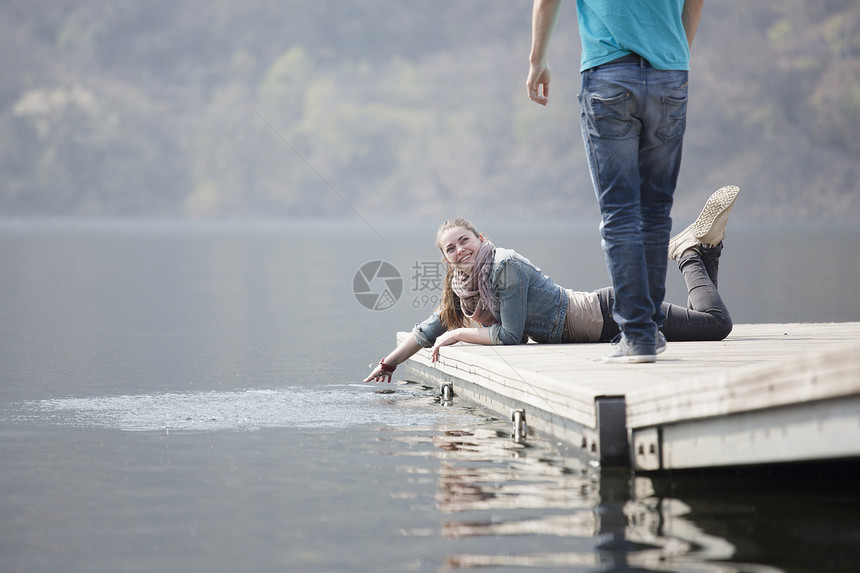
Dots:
pixel 704 318
pixel 633 120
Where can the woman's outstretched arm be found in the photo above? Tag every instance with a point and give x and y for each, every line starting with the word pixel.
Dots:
pixel 472 335
pixel 397 356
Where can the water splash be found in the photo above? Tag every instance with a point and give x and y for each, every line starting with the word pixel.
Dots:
pixel 334 406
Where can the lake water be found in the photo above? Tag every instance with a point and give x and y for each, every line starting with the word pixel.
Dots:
pixel 188 397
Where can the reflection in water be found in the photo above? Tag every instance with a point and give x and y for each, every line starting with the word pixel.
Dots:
pixel 521 499
pixel 508 492
pixel 521 482
pixel 797 518
pixel 508 489
pixel 661 523
pixel 503 490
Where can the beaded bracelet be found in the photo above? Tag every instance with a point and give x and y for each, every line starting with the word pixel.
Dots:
pixel 387 367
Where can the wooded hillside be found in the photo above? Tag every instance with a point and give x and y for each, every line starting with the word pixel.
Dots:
pixel 232 108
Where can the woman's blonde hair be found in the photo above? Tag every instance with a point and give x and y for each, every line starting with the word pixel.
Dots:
pixel 449 309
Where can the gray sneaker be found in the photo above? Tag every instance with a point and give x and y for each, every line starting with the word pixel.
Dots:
pixel 661 343
pixel 621 353
pixel 709 228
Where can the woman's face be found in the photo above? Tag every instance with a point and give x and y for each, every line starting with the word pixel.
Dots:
pixel 460 247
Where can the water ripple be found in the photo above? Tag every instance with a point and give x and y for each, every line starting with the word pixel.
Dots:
pixel 336 406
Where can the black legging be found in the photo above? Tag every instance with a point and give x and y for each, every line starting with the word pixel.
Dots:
pixel 704 318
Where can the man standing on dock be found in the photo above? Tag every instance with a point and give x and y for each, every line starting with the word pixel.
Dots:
pixel 635 61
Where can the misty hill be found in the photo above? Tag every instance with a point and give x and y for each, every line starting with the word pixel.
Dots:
pixel 281 108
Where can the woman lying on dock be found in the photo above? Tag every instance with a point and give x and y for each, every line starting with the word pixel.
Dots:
pixel 493 295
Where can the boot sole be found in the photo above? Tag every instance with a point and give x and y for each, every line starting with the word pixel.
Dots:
pixel 709 225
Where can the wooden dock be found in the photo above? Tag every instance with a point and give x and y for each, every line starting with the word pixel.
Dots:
pixel 769 393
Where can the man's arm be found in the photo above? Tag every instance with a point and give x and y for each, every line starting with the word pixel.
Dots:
pixel 690 17
pixel 544 16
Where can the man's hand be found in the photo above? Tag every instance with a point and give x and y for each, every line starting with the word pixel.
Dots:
pixel 538 83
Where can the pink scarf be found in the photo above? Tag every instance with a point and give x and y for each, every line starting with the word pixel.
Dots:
pixel 476 299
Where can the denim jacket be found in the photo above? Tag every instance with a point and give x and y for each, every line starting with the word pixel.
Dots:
pixel 530 304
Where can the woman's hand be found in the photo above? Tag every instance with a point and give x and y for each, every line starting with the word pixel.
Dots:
pixel 382 371
pixel 379 375
pixel 468 335
pixel 450 337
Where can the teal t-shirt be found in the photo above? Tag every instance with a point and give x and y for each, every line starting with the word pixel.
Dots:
pixel 653 29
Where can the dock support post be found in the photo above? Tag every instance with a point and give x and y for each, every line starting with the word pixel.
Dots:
pixel 521 430
pixel 612 431
pixel 447 392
